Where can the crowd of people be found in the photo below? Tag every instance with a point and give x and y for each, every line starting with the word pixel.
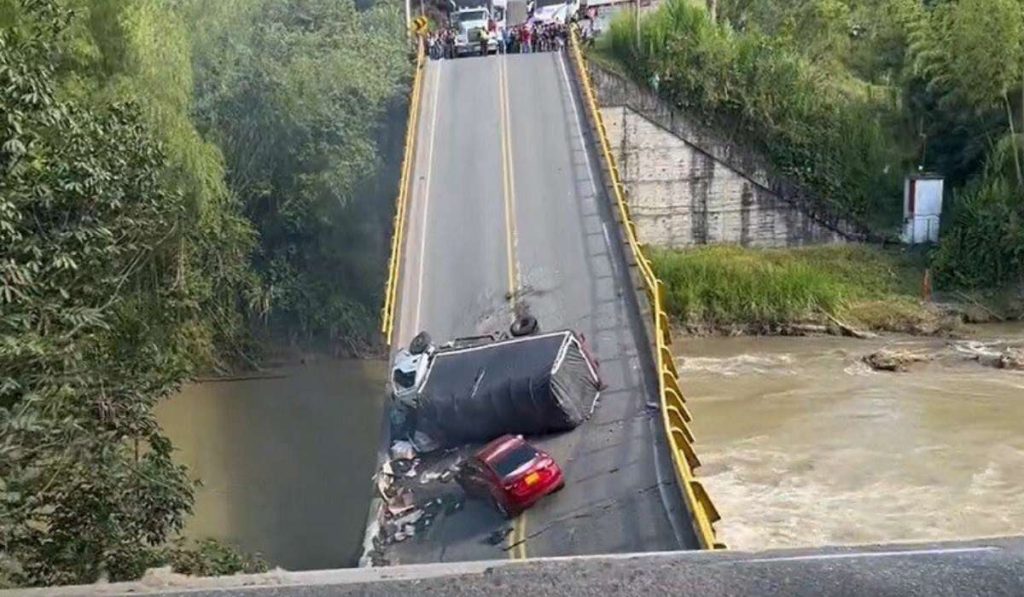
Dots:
pixel 521 39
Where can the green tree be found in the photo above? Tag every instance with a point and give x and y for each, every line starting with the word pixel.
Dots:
pixel 91 314
pixel 294 93
pixel 972 53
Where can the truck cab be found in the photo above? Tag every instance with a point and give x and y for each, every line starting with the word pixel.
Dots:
pixel 470 22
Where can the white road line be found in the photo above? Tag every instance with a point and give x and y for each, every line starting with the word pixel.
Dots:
pixel 426 201
pixel 579 127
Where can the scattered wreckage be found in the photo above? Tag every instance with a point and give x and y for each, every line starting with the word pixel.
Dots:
pixel 448 400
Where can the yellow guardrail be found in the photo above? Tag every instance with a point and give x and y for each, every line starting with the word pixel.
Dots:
pixel 395 262
pixel 675 416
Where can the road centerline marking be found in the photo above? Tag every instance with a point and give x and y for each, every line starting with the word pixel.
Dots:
pixel 517 538
pixel 508 178
pixel 522 536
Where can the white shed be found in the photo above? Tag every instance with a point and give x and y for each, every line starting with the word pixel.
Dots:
pixel 922 208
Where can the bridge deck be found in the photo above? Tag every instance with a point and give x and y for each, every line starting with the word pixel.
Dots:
pixel 506 198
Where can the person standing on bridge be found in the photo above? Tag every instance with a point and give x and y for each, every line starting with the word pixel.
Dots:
pixel 432 45
pixel 485 37
pixel 504 40
pixel 449 43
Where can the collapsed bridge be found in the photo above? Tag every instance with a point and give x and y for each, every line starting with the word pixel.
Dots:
pixel 511 202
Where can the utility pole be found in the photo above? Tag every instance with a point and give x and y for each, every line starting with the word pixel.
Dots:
pixel 408 16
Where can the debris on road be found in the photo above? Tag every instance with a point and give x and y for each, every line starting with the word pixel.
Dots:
pixel 498 536
pixel 403 450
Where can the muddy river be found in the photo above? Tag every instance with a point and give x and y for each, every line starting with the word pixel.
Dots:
pixel 285 459
pixel 803 444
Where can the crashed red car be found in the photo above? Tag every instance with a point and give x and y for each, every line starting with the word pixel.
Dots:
pixel 511 473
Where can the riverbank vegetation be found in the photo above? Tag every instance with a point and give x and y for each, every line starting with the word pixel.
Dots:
pixel 177 180
pixel 732 289
pixel 824 289
pixel 848 96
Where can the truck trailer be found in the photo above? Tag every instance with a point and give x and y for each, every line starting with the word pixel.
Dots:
pixel 477 390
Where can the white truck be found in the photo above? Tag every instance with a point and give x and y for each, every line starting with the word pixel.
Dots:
pixel 476 389
pixel 471 23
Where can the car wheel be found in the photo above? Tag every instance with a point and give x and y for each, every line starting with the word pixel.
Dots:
pixel 524 325
pixel 560 487
pixel 420 343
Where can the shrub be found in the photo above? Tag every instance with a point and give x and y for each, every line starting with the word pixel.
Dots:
pixel 816 127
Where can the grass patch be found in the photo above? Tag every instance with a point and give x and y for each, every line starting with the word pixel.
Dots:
pixel 727 286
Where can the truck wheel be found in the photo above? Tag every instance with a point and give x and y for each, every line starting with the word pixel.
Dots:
pixel 420 343
pixel 525 325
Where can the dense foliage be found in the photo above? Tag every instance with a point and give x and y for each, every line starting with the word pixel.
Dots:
pixel 172 173
pixel 829 134
pixel 294 94
pixel 847 96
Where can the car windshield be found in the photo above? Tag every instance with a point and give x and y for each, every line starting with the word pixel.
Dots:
pixel 473 15
pixel 544 3
pixel 508 463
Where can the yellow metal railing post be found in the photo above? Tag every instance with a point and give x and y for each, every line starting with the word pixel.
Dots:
pixel 398 228
pixel 674 414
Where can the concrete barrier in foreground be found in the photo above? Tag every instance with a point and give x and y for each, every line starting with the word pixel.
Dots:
pixel 984 567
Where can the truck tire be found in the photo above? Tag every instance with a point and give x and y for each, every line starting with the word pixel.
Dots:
pixel 525 325
pixel 420 343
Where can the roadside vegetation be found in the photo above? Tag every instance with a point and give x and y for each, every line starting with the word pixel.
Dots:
pixel 732 289
pixel 848 96
pixel 179 180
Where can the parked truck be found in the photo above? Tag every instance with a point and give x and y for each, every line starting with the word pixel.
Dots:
pixel 471 17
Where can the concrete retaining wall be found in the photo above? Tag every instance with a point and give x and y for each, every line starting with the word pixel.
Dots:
pixel 688 186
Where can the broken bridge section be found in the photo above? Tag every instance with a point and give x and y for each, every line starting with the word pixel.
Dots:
pixel 508 214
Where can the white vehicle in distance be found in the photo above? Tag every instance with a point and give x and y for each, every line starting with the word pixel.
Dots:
pixel 554 11
pixel 471 24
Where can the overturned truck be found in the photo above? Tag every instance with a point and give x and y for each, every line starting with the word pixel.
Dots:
pixel 460 393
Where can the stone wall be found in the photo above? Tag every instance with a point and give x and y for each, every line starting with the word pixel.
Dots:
pixel 689 186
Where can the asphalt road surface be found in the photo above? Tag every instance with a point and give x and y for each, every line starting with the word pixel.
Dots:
pixel 507 211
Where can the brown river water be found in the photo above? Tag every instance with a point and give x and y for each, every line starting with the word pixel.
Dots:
pixel 285 460
pixel 802 444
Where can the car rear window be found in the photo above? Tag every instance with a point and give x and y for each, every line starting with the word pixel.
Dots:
pixel 508 463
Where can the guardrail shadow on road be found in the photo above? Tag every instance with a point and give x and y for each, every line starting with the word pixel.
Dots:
pixel 675 416
pixel 402 203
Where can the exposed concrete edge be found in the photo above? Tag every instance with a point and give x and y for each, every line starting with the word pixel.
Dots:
pixel 615 90
pixel 372 527
pixel 163 582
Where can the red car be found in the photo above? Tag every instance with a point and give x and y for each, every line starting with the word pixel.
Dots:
pixel 511 473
